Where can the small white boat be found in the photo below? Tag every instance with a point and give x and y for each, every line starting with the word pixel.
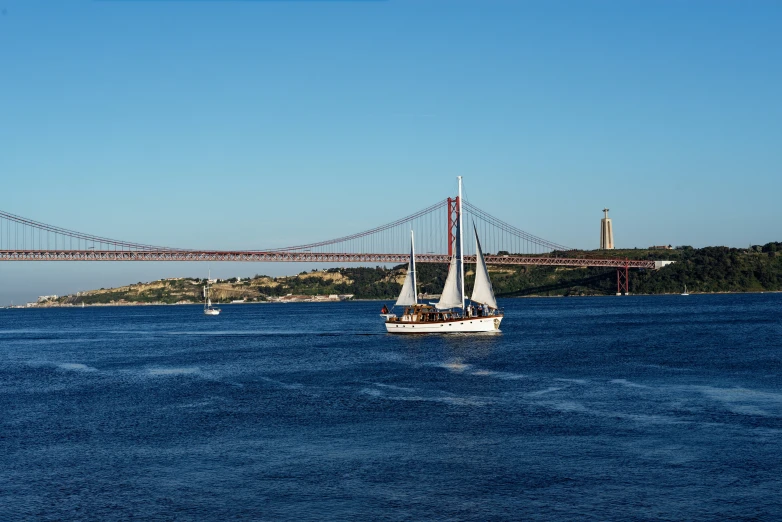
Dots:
pixel 443 316
pixel 208 308
pixel 685 290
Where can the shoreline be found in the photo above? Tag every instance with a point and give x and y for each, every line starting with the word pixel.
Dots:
pixel 322 301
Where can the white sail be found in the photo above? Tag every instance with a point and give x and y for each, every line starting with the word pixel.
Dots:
pixel 482 291
pixel 453 292
pixel 408 295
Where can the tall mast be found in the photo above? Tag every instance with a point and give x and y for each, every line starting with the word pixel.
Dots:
pixel 461 243
pixel 412 264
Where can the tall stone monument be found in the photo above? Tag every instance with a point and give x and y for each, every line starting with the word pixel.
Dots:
pixel 606 232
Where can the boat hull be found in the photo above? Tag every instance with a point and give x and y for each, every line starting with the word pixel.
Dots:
pixel 466 325
pixel 212 312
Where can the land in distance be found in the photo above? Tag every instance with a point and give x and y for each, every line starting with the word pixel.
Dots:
pixel 703 270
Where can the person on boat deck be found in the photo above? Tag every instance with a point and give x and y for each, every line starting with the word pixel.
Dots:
pixel 469 310
pixel 384 310
pixel 480 310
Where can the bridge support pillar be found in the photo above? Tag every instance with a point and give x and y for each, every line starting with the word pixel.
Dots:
pixel 623 279
pixel 453 220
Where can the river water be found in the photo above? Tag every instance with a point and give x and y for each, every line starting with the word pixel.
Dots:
pixel 614 408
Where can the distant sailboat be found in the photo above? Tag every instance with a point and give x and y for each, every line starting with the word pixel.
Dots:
pixel 685 290
pixel 208 308
pixel 442 317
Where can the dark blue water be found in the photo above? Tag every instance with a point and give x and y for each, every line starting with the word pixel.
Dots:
pixel 616 408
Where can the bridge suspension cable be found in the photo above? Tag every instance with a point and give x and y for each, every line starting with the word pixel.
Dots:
pixel 504 236
pixel 431 227
pixel 27 239
pixel 370 240
pixel 17 232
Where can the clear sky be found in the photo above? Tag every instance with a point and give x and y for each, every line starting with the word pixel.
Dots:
pixel 250 124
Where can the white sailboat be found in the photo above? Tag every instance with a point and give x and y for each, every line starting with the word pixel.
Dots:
pixel 409 294
pixel 445 316
pixel 208 308
pixel 685 290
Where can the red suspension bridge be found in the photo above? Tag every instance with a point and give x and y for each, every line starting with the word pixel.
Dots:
pixel 23 239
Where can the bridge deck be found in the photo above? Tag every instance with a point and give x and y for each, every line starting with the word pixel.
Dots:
pixel 303 257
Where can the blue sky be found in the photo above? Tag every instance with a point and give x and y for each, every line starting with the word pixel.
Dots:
pixel 250 124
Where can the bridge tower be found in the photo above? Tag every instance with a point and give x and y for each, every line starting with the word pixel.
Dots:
pixel 623 279
pixel 606 232
pixel 453 219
